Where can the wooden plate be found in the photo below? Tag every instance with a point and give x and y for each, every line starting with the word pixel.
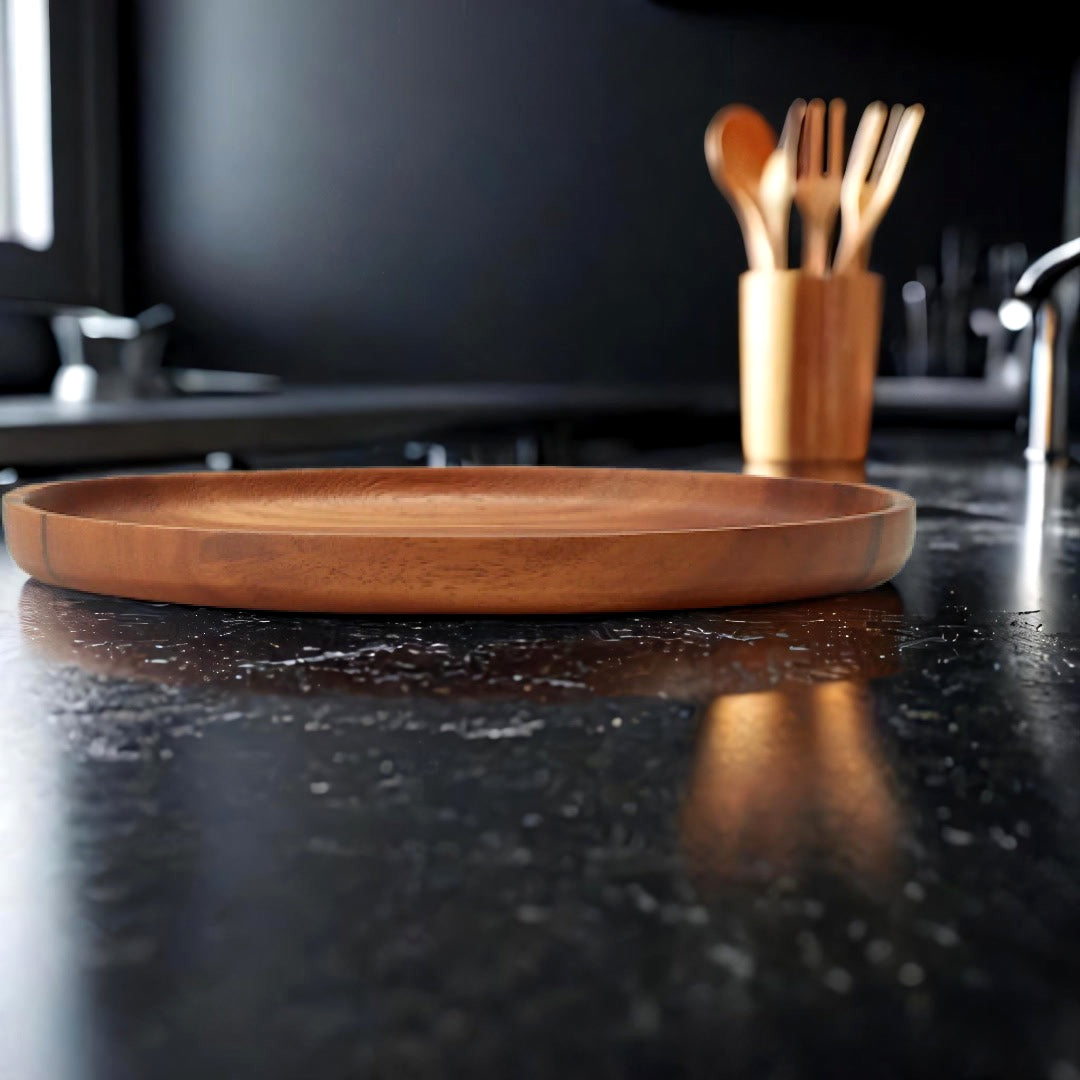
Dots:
pixel 459 541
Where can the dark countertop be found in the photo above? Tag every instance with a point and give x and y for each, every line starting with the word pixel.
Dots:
pixel 839 838
pixel 40 431
pixel 37 431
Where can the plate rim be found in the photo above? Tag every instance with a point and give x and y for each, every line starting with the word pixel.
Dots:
pixel 898 502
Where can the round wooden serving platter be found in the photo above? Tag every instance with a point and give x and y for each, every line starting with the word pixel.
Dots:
pixel 485 540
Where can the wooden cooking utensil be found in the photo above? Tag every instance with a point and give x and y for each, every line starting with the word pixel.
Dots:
pixel 867 192
pixel 873 152
pixel 817 186
pixel 459 541
pixel 738 142
pixel 777 187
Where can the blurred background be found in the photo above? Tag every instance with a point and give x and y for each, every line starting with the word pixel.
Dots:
pixel 255 225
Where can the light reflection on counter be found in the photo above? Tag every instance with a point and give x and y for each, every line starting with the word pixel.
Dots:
pixel 38 993
pixel 787 777
pixel 1040 532
pixel 685 656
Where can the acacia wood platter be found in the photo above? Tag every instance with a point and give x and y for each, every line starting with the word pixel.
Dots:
pixel 487 540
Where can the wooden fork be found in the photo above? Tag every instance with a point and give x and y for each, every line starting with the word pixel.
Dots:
pixel 872 177
pixel 817 185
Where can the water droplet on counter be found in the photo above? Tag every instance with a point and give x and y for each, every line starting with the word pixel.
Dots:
pixel 531 914
pixel 733 960
pixel 957 837
pixel 910 974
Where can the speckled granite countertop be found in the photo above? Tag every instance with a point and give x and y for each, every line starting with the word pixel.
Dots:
pixel 833 839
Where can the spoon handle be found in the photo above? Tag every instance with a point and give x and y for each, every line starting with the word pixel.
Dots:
pixel 760 254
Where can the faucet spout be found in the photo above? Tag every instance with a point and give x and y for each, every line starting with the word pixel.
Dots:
pixel 1048 421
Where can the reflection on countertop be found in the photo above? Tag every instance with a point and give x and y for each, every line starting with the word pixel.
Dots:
pixel 547 660
pixel 826 839
pixel 789 778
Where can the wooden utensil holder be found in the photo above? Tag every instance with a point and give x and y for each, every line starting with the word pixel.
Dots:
pixel 808 354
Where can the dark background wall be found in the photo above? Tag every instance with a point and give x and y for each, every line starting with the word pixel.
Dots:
pixel 424 190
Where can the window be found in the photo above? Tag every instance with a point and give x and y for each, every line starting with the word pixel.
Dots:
pixel 26 191
pixel 59 157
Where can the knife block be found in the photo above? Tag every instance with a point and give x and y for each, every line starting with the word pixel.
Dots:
pixel 808 354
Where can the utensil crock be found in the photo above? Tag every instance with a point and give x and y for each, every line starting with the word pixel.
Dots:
pixel 808 354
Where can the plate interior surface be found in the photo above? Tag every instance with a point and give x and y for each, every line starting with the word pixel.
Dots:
pixel 487 501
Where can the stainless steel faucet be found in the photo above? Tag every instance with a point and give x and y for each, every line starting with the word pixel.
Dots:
pixel 1048 416
pixel 105 357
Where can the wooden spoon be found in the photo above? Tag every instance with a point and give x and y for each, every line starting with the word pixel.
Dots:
pixel 777 186
pixel 817 187
pixel 738 142
pixel 865 198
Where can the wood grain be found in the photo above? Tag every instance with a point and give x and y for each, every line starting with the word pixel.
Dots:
pixel 459 541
